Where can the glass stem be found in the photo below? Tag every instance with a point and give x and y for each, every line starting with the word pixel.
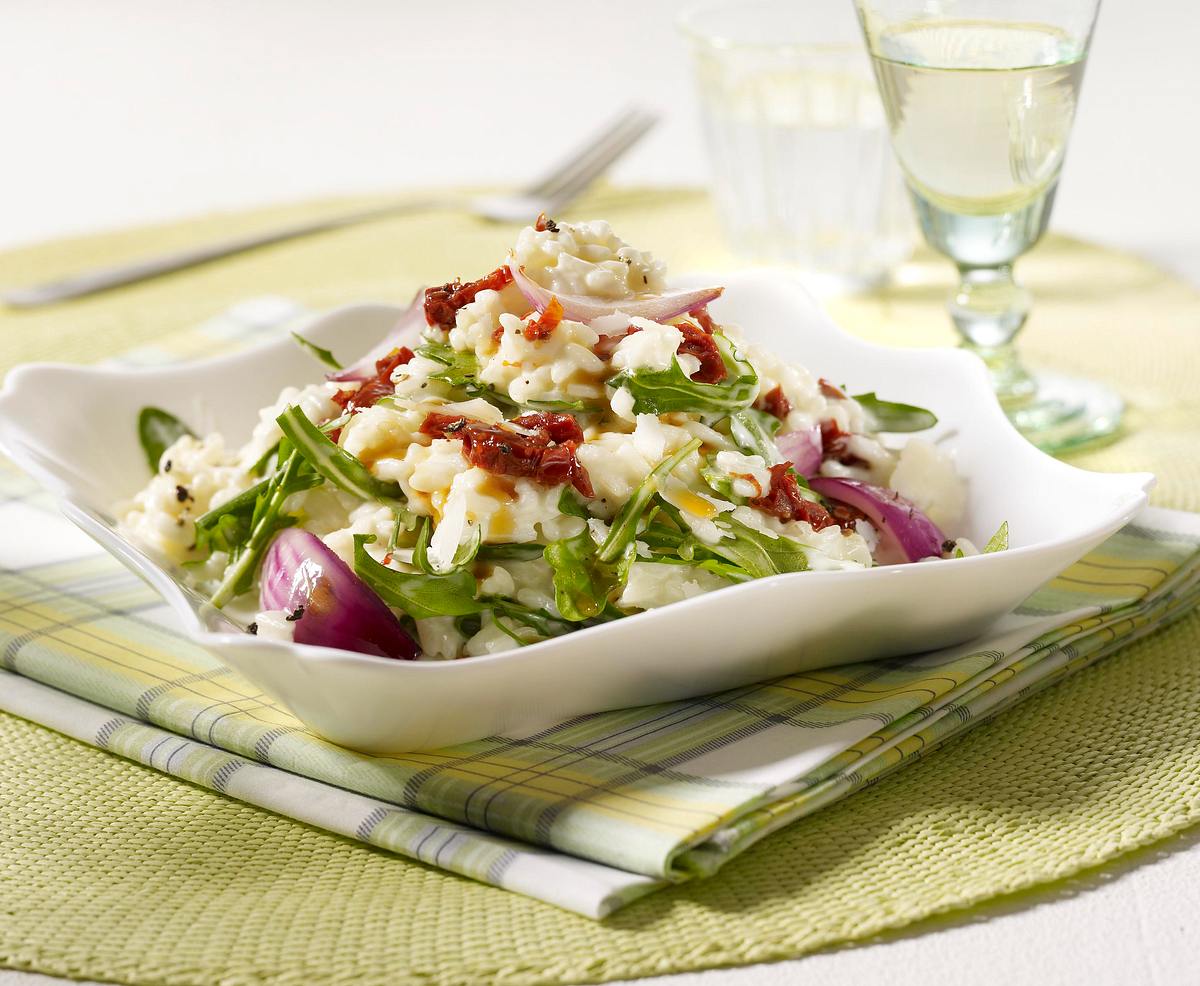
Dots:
pixel 989 307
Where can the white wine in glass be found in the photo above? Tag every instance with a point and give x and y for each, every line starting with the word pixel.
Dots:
pixel 980 97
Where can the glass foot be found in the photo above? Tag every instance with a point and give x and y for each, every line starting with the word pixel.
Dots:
pixel 1065 413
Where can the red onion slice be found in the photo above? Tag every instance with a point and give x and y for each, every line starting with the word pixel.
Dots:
pixel 802 449
pixel 406 332
pixel 339 610
pixel 905 533
pixel 581 308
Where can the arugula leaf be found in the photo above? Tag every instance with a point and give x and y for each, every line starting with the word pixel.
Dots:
pixel 890 416
pixel 567 407
pixel 587 578
pixel 418 594
pixel 246 524
pixel 571 505
pixel 324 355
pixel 714 565
pixel 536 619
pixel 264 460
pixel 998 541
pixel 719 481
pixel 468 625
pixel 754 433
pixel 266 520
pixel 583 584
pixel 462 372
pixel 662 538
pixel 228 527
pixel 421 548
pixel 464 554
pixel 508 631
pixel 624 526
pixel 512 552
pixel 158 430
pixel 461 367
pixel 334 424
pixel 758 554
pixel 746 554
pixel 334 463
pixel 513 408
pixel 661 391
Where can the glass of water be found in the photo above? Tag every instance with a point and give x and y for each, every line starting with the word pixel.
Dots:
pixel 802 171
pixel 980 98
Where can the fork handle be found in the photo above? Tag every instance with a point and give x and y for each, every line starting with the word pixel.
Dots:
pixel 103 278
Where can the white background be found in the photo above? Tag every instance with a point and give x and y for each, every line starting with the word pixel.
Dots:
pixel 128 111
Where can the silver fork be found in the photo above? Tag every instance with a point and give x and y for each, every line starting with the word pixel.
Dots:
pixel 555 190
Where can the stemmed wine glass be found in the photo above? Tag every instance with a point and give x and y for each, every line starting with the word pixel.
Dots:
pixel 980 97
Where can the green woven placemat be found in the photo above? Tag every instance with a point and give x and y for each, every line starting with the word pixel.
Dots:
pixel 112 871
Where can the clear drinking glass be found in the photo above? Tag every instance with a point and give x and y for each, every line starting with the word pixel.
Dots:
pixel 980 96
pixel 802 171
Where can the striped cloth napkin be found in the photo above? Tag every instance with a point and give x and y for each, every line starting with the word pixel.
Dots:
pixel 589 814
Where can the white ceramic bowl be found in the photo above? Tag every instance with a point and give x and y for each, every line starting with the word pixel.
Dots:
pixel 84 448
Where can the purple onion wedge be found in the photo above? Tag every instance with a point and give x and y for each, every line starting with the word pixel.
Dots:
pixel 581 308
pixel 802 449
pixel 905 533
pixel 338 608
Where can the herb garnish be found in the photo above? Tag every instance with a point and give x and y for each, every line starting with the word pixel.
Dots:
pixel 662 391
pixel 333 462
pixel 158 430
pixel 324 355
pixel 418 594
pixel 890 416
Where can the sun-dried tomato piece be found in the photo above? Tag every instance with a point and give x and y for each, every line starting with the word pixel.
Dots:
pixel 774 402
pixel 559 427
pixel 830 433
pixel 505 454
pixel 443 302
pixel 704 319
pixel 557 464
pixel 834 445
pixel 698 343
pixel 544 222
pixel 831 390
pixel 444 425
pixel 534 453
pixel 375 387
pixel 844 515
pixel 544 325
pixel 784 500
